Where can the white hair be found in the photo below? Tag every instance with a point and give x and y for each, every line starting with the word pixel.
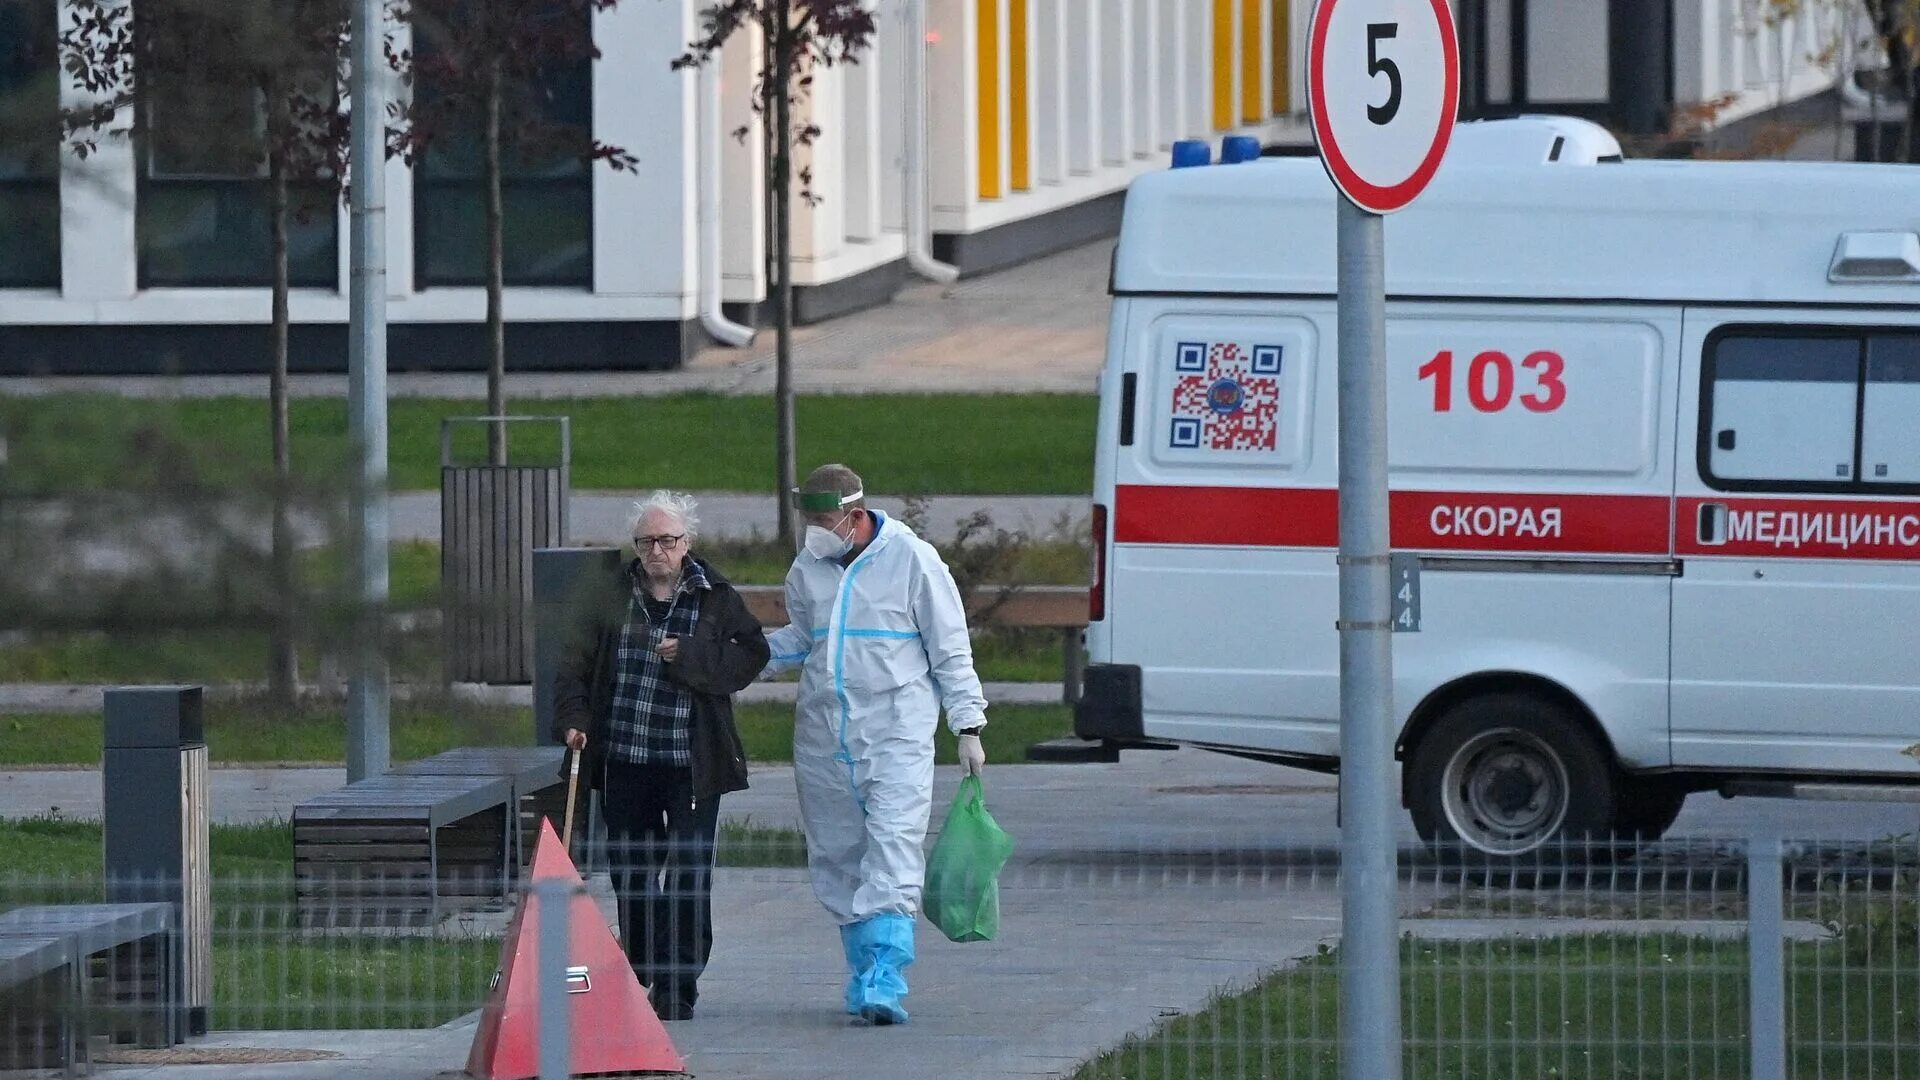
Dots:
pixel 679 504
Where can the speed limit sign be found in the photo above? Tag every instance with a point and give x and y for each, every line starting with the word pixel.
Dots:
pixel 1383 84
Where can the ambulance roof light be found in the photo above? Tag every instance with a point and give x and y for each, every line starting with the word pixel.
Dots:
pixel 1188 153
pixel 1238 149
pixel 1875 258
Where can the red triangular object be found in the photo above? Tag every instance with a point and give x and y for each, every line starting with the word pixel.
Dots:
pixel 614 1029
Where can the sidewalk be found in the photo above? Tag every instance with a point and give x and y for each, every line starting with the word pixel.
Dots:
pixel 87 697
pixel 1036 328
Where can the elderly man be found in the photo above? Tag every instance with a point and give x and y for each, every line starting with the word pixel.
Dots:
pixel 646 701
pixel 879 631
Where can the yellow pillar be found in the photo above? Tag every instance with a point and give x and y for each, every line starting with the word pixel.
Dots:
pixel 1253 61
pixel 1020 93
pixel 1282 57
pixel 987 39
pixel 1223 64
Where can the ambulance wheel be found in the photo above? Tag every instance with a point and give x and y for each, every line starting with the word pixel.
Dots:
pixel 1512 784
pixel 1647 809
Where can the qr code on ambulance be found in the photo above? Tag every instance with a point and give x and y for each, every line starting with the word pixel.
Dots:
pixel 1226 396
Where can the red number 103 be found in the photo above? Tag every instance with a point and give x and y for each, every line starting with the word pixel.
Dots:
pixel 1490 381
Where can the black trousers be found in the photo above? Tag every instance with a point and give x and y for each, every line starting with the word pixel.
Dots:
pixel 661 855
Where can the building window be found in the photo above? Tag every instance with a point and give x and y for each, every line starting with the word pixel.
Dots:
pixel 546 197
pixel 204 204
pixel 29 166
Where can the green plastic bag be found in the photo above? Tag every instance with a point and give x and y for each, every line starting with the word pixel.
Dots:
pixel 962 895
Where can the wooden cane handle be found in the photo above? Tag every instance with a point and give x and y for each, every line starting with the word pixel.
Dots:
pixel 573 785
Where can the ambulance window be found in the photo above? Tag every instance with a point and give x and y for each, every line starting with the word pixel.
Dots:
pixel 1890 414
pixel 1782 410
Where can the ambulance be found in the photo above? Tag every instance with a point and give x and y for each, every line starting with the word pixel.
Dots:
pixel 1654 445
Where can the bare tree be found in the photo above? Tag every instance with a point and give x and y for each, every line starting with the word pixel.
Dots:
pixel 798 36
pixel 478 71
pixel 240 89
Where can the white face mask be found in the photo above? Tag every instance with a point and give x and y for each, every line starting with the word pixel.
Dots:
pixel 827 543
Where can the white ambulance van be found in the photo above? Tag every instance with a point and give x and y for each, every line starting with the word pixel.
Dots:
pixel 1654 438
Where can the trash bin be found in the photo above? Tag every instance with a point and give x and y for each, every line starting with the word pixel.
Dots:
pixel 155 825
pixel 492 517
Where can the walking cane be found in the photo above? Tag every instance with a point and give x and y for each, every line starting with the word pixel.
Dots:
pixel 573 785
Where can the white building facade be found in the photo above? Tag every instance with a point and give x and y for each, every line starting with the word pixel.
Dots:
pixel 973 135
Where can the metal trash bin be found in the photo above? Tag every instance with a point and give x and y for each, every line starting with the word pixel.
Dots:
pixel 492 517
pixel 156 827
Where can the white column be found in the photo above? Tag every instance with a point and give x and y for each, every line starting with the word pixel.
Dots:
pixel 953 128
pixel 1083 86
pixel 1116 82
pixel 889 58
pixel 862 143
pixel 643 221
pixel 743 205
pixel 820 230
pixel 1170 42
pixel 1199 46
pixel 98 256
pixel 1147 81
pixel 1051 88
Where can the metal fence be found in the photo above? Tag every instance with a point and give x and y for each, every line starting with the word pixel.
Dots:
pixel 1749 958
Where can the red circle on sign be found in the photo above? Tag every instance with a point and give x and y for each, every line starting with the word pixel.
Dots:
pixel 1370 196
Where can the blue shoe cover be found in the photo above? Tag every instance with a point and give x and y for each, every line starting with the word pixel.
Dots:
pixel 885 945
pixel 850 945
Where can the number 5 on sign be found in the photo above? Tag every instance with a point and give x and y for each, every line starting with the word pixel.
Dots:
pixel 1383 84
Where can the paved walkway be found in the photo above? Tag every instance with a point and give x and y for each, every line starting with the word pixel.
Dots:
pixel 87 697
pixel 1041 327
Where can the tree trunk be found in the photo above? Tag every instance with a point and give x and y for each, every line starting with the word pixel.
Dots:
pixel 783 268
pixel 496 274
pixel 283 675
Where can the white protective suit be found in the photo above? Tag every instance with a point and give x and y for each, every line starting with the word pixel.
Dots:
pixel 884 646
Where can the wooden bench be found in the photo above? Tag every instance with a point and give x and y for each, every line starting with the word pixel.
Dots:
pixel 1044 607
pixel 394 850
pixel 534 775
pixel 124 956
pixel 42 999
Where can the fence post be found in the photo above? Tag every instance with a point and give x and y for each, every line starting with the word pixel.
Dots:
pixel 555 1017
pixel 1766 957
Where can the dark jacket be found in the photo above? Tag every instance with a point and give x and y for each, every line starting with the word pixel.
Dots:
pixel 726 652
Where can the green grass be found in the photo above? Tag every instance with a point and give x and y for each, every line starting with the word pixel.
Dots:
pixel 906 444
pixel 239 734
pixel 1615 1006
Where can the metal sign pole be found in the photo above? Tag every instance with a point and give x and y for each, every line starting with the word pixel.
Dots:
pixel 1369 875
pixel 367 693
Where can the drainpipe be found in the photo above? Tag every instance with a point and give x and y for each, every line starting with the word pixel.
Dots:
pixel 712 319
pixel 919 214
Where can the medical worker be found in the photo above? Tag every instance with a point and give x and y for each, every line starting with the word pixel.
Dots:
pixel 879 633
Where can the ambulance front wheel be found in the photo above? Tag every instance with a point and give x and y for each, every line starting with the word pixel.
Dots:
pixel 1510 779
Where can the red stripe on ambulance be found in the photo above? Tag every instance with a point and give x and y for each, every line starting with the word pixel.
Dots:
pixel 1498 522
pixel 1424 520
pixel 1804 529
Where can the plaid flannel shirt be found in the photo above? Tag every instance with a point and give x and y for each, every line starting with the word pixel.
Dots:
pixel 652 714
